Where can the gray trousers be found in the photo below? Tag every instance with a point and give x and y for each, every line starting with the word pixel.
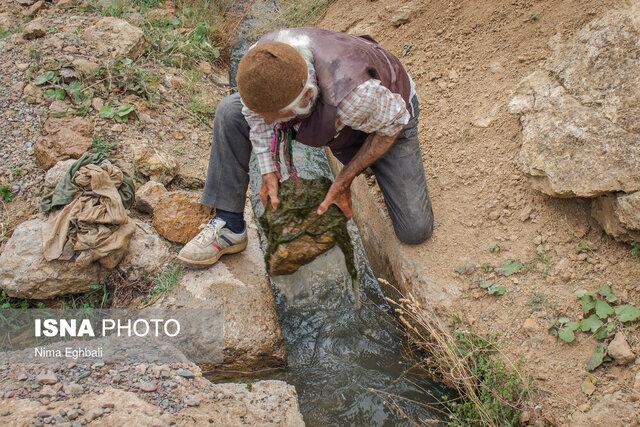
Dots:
pixel 399 173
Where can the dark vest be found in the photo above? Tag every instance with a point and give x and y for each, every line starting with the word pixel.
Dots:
pixel 342 62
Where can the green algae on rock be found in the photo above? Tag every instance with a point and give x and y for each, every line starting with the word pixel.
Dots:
pixel 296 235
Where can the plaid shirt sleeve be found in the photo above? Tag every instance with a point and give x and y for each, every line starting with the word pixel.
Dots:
pixel 372 108
pixel 260 135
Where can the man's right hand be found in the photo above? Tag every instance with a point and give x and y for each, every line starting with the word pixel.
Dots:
pixel 269 189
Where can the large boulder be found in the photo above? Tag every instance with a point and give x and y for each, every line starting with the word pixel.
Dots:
pixel 24 273
pixel 64 138
pixel 116 37
pixel 236 286
pixel 179 214
pixel 581 116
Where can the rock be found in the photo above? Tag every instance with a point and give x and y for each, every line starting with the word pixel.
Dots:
pixel 97 104
pixel 179 215
pixel 84 66
pixel 32 93
pixel 191 400
pixel 530 325
pixel 151 162
pixel 25 2
pixel 24 273
pixel 147 254
pixel 58 107
pixel 296 215
pixel 116 37
pixel 47 378
pixel 581 117
pixel 184 373
pixel 54 174
pixel 65 137
pixel 147 386
pixel 251 338
pixel 563 270
pixel 73 389
pixel 618 215
pixel 34 29
pixel 148 196
pixel 402 15
pixel 466 269
pixel 35 8
pixel 620 350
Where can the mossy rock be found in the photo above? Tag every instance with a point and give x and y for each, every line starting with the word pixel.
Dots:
pixel 296 234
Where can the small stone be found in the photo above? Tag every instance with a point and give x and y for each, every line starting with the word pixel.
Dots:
pixel 97 104
pixel 141 369
pixel 466 269
pixel 185 373
pixel 72 414
pixel 73 389
pixel 35 8
pixel 34 29
pixel 191 400
pixel 147 386
pixel 401 16
pixel 93 414
pixel 148 196
pixel 205 67
pixel 43 414
pixel 620 350
pixel 530 325
pixel 48 378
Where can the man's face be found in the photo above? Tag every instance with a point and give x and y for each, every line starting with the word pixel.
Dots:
pixel 278 117
pixel 285 116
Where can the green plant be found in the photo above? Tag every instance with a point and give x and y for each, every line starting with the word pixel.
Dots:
pixel 538 301
pixel 166 280
pixel 97 297
pixel 486 267
pixel 492 391
pixel 495 248
pixel 123 76
pixel 493 288
pixel 583 247
pixel 16 172
pixel 120 113
pixel 635 249
pixel 601 317
pixel 508 268
pixel 4 33
pixel 502 391
pixel 181 49
pixel 101 144
pixel 6 194
pixel 8 303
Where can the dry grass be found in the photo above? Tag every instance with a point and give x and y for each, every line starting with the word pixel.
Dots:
pixel 493 391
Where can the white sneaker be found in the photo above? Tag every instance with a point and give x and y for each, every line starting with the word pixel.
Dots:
pixel 213 241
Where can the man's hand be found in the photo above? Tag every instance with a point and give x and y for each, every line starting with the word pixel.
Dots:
pixel 269 189
pixel 339 194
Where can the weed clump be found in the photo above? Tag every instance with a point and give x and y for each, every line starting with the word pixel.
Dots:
pixel 492 390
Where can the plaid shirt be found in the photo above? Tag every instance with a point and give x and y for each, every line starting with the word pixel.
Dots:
pixel 370 108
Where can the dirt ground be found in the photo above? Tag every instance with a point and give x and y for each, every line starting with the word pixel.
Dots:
pixel 467 58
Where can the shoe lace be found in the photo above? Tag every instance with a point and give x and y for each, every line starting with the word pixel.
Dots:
pixel 209 232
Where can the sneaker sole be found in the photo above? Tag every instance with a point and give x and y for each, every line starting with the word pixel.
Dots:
pixel 210 261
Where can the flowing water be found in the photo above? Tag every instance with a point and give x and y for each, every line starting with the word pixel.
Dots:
pixel 348 364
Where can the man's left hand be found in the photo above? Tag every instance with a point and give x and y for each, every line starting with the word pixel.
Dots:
pixel 339 194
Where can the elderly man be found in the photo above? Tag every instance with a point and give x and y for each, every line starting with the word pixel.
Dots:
pixel 320 88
